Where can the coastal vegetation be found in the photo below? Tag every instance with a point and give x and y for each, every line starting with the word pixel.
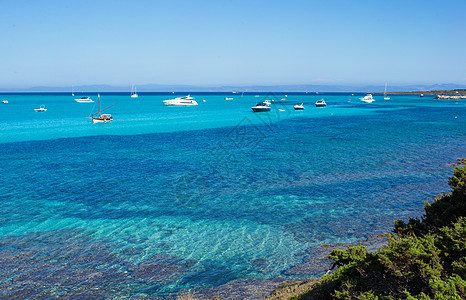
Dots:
pixel 455 92
pixel 424 258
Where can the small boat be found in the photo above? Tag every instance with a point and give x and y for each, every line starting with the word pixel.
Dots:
pixel 281 109
pixel 261 107
pixel 84 100
pixel 321 103
pixel 368 98
pixel 5 101
pixel 229 98
pixel 181 101
pixel 102 118
pixel 299 106
pixel 422 95
pixel 385 96
pixel 134 94
pixel 40 109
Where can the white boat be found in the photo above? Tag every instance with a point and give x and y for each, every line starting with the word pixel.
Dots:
pixel 40 109
pixel 321 103
pixel 268 102
pixel 385 96
pixel 72 91
pixel 261 107
pixel 134 94
pixel 84 100
pixel 5 101
pixel 101 118
pixel 299 106
pixel 229 98
pixel 181 101
pixel 368 98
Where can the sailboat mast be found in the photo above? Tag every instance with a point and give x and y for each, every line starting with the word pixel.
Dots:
pixel 98 98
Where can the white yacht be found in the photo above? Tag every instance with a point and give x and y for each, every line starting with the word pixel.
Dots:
pixel 385 96
pixel 321 103
pixel 368 98
pixel 181 101
pixel 40 109
pixel 261 107
pixel 134 94
pixel 84 100
pixel 299 106
pixel 5 101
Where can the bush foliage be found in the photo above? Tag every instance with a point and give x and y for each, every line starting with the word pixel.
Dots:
pixel 424 258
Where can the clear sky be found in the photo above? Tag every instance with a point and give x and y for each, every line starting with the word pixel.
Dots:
pixel 66 42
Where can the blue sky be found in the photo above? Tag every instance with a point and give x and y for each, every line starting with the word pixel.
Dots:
pixel 64 43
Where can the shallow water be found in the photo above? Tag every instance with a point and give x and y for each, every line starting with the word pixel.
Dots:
pixel 211 197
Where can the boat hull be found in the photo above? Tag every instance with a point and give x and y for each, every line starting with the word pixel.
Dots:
pixel 101 120
pixel 179 103
pixel 84 101
pixel 260 109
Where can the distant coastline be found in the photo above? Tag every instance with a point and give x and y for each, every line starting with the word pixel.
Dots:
pixel 455 92
pixel 296 88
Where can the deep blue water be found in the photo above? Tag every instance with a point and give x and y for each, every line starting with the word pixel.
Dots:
pixel 171 198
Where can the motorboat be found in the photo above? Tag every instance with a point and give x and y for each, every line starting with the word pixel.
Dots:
pixel 181 101
pixel 5 101
pixel 368 98
pixel 299 106
pixel 84 100
pixel 40 109
pixel 229 98
pixel 321 103
pixel 268 102
pixel 261 107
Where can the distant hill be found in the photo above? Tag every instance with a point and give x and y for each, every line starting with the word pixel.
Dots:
pixel 251 88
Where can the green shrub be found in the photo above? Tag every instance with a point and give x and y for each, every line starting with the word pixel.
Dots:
pixel 424 259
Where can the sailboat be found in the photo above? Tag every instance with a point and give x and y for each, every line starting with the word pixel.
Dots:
pixel 134 94
pixel 385 96
pixel 72 91
pixel 102 118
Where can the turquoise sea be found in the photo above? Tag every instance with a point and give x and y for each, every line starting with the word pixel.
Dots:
pixel 213 198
